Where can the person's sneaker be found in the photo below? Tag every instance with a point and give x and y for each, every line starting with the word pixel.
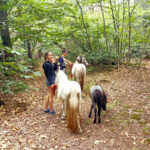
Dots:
pixel 46 111
pixel 53 112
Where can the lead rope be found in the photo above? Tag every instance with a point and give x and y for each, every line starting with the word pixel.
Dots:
pixel 54 89
pixel 71 70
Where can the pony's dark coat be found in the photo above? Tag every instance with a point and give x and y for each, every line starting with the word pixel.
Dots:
pixel 1 103
pixel 99 99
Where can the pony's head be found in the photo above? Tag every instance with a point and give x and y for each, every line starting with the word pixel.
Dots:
pixel 81 59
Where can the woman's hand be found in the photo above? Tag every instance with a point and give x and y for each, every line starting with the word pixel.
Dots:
pixel 53 60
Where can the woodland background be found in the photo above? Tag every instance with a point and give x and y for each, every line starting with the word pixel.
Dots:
pixel 105 31
pixel 113 35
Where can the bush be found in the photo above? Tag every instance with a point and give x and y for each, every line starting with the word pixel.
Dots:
pixel 101 57
pixel 11 72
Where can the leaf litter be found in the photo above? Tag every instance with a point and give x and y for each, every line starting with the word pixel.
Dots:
pixel 125 124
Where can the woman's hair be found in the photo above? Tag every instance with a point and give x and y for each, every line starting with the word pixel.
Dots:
pixel 46 54
pixel 64 51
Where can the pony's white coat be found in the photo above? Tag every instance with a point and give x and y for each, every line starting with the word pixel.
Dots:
pixel 77 69
pixel 93 88
pixel 79 73
pixel 68 90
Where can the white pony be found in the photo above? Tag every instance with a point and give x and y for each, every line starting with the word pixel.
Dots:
pixel 69 92
pixel 79 70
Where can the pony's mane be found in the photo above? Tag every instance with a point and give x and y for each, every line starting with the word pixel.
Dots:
pixel 61 76
pixel 81 59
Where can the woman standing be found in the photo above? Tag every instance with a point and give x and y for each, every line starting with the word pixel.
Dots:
pixel 49 67
pixel 62 60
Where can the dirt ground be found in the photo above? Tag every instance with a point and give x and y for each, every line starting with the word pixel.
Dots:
pixel 125 125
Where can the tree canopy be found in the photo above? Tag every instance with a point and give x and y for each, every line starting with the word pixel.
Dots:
pixel 105 31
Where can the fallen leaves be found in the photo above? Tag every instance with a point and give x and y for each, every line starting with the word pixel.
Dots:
pixel 25 126
pixel 99 141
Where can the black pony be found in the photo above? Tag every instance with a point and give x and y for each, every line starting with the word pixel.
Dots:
pixel 98 98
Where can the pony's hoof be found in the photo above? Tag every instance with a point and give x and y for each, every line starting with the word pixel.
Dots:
pixel 94 121
pixel 80 131
pixel 63 117
pixel 89 116
pixel 99 121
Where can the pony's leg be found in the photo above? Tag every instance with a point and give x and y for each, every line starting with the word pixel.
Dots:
pixel 78 123
pixel 63 114
pixel 95 109
pixel 92 105
pixel 65 107
pixel 63 111
pixel 99 114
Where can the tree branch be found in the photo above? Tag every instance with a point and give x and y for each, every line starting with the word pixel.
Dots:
pixel 12 8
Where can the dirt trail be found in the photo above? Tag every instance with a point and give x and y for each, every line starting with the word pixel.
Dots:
pixel 125 125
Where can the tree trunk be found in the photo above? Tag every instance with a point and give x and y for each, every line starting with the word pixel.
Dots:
pixel 129 31
pixel 86 31
pixel 146 41
pixel 29 49
pixel 122 43
pixel 116 27
pixel 104 24
pixel 4 30
pixel 118 35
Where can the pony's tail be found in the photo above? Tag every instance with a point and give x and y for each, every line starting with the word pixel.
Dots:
pixel 81 78
pixel 104 101
pixel 72 113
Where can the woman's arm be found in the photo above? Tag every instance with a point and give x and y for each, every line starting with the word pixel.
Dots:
pixel 69 62
pixel 54 63
pixel 55 66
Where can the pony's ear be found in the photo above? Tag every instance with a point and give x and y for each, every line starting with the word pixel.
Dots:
pixel 78 58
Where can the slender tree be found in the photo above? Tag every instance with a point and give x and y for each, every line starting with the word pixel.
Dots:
pixel 84 24
pixel 104 24
pixel 116 27
pixel 4 30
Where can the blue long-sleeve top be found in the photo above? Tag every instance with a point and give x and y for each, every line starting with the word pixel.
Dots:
pixel 62 63
pixel 49 70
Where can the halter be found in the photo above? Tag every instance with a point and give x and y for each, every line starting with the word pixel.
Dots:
pixel 71 70
pixel 54 89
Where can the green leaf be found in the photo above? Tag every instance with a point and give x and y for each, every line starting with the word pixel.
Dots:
pixel 37 73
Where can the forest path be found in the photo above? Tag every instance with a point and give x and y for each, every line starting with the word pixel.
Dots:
pixel 125 125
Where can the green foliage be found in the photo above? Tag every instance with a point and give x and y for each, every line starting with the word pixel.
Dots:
pixel 101 57
pixel 13 71
pixel 148 141
pixel 90 69
pixel 81 30
pixel 136 116
pixel 10 86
